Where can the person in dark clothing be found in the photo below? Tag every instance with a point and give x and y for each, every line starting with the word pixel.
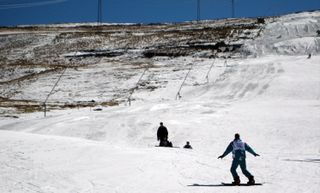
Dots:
pixel 309 56
pixel 162 135
pixel 238 149
pixel 187 146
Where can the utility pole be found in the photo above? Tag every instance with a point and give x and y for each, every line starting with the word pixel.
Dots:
pixel 198 10
pixel 232 9
pixel 99 11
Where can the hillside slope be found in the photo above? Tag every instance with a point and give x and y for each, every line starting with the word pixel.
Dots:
pixel 120 155
pixel 102 64
pixel 270 95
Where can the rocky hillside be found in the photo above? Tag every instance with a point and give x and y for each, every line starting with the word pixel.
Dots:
pixel 97 64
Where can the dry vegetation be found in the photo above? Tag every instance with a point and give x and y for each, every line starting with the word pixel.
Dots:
pixel 50 49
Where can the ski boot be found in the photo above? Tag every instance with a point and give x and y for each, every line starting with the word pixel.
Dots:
pixel 251 181
pixel 236 181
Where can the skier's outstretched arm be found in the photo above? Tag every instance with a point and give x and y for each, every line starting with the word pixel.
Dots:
pixel 250 150
pixel 227 151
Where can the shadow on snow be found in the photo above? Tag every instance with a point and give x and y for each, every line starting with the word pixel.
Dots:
pixel 304 160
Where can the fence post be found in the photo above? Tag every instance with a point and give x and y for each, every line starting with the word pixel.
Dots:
pixel 45 109
pixel 207 76
pixel 178 96
pixel 129 98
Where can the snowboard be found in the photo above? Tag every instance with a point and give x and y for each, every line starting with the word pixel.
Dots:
pixel 167 146
pixel 242 184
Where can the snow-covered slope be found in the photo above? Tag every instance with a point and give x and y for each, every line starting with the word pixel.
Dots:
pixel 289 35
pixel 272 100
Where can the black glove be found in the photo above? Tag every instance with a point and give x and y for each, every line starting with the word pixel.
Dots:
pixel 220 157
pixel 256 155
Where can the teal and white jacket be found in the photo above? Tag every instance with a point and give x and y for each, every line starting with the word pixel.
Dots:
pixel 238 149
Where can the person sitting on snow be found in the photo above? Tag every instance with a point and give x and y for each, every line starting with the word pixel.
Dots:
pixel 187 145
pixel 309 56
pixel 238 149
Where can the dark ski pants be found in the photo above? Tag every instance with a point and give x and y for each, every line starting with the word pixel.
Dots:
pixel 234 166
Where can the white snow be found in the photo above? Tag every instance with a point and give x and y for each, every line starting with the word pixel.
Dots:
pixel 273 101
pixel 290 35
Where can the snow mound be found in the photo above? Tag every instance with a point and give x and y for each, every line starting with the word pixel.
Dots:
pixel 288 35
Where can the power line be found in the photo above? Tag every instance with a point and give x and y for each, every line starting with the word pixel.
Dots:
pixel 16 4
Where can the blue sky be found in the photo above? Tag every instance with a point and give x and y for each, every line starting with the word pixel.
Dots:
pixel 16 12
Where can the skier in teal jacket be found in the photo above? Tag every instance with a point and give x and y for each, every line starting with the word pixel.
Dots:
pixel 238 149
